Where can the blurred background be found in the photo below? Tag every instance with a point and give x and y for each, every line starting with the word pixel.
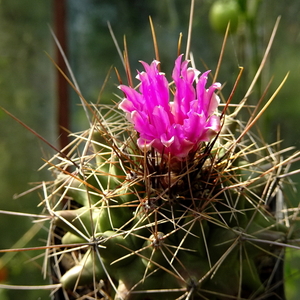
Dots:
pixel 31 90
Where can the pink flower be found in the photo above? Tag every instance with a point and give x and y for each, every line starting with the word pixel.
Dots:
pixel 176 128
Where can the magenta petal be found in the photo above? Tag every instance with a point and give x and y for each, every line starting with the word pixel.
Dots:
pixel 154 86
pixel 133 96
pixel 214 123
pixel 185 92
pixel 172 128
pixel 167 142
pixel 185 147
pixel 144 144
pixel 142 124
pixel 127 105
pixel 212 99
pixel 213 127
pixel 194 126
pixel 177 68
pixel 209 101
pixel 160 120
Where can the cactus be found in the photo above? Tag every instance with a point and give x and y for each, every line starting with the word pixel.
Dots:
pixel 145 218
pixel 175 200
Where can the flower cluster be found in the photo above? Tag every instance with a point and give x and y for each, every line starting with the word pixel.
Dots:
pixel 175 127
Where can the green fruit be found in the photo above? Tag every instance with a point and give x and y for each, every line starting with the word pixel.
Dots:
pixel 222 12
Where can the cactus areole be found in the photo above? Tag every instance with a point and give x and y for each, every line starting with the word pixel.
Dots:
pixel 175 127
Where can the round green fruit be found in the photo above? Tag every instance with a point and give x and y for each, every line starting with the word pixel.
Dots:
pixel 222 12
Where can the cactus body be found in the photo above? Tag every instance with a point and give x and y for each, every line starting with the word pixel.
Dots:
pixel 195 233
pixel 169 220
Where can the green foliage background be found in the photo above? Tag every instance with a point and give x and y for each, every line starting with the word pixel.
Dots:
pixel 27 89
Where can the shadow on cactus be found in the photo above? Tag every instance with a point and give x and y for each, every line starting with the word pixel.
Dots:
pixel 177 198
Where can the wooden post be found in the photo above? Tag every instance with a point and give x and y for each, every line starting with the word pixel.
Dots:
pixel 63 110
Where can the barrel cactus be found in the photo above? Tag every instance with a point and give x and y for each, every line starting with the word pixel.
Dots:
pixel 169 196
